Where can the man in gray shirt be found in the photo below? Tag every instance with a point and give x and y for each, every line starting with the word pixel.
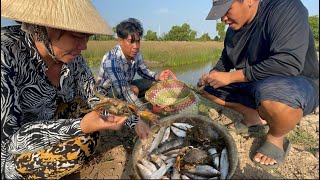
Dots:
pixel 276 79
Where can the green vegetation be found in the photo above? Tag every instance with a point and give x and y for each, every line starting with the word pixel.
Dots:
pixel 160 53
pixel 314 25
pixel 303 137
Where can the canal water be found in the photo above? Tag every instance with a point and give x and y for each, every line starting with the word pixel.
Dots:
pixel 187 73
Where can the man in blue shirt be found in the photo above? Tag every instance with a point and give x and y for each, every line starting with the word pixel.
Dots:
pixel 118 69
pixel 276 78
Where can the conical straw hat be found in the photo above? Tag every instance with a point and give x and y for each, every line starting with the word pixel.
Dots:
pixel 72 15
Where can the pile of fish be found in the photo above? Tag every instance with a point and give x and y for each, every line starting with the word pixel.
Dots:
pixel 184 151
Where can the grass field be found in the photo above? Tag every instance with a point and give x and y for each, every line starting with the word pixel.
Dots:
pixel 160 53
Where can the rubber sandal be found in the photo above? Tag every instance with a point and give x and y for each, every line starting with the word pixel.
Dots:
pixel 241 128
pixel 272 151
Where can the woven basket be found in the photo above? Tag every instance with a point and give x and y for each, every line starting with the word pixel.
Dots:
pixel 171 96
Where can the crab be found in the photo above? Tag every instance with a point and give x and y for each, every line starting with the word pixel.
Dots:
pixel 118 107
pixel 189 156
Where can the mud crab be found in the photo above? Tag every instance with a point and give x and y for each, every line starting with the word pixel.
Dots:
pixel 118 107
pixel 189 156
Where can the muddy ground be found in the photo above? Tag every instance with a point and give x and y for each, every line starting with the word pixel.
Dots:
pixel 112 160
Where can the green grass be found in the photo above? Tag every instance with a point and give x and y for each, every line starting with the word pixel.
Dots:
pixel 303 137
pixel 161 53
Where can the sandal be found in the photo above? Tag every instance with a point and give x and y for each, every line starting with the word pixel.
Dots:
pixel 272 151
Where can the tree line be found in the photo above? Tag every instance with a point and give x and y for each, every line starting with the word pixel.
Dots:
pixel 185 33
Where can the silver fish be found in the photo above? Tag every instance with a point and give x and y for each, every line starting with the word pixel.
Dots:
pixel 149 165
pixel 215 156
pixel 170 160
pixel 174 151
pixel 175 173
pixel 212 151
pixel 204 170
pixel 224 164
pixel 145 172
pixel 183 176
pixel 156 141
pixel 169 145
pixel 193 176
pixel 178 132
pixel 183 126
pixel 166 135
pixel 156 159
pixel 164 177
pixel 161 171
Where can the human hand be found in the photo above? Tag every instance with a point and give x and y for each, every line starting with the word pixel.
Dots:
pixel 217 79
pixel 142 129
pixel 94 121
pixel 202 81
pixel 164 75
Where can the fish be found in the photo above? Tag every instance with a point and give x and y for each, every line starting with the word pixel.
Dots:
pixel 215 157
pixel 178 132
pixel 175 174
pixel 156 141
pixel 166 134
pixel 168 146
pixel 183 126
pixel 193 176
pixel 174 151
pixel 161 171
pixel 169 160
pixel 212 151
pixel 204 170
pixel 145 172
pixel 183 176
pixel 149 165
pixel 164 177
pixel 224 164
pixel 157 160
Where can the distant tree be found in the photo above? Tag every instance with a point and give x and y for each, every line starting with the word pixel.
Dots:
pixel 314 24
pixel 205 37
pixel 216 38
pixel 151 36
pixel 180 33
pixel 221 30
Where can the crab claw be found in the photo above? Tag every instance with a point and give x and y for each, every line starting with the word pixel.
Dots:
pixel 147 115
pixel 182 152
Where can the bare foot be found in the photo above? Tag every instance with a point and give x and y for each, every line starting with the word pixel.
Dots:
pixel 261 158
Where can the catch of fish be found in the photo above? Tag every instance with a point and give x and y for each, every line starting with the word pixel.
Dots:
pixel 183 150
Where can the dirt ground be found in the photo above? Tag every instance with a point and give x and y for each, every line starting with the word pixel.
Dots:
pixel 113 159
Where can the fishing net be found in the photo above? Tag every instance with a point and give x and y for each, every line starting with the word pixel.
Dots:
pixel 172 96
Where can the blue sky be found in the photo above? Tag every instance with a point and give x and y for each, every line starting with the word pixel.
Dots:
pixel 161 15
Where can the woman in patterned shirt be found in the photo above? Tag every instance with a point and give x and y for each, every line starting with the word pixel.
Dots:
pixel 41 67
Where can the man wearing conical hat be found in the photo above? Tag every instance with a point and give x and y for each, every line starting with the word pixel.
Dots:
pixel 42 67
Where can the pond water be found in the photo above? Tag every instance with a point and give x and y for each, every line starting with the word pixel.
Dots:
pixel 187 73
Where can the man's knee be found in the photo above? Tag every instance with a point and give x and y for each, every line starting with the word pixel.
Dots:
pixel 271 110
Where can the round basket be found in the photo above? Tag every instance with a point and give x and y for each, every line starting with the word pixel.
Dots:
pixel 171 96
pixel 194 119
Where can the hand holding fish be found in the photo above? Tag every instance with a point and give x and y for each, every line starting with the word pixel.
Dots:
pixel 94 121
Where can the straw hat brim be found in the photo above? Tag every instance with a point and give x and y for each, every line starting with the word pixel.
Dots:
pixel 72 15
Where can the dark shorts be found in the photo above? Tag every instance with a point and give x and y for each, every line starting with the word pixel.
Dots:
pixel 142 84
pixel 296 92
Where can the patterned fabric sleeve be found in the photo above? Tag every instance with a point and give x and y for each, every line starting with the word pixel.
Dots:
pixel 17 136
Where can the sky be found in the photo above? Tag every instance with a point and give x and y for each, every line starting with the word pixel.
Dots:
pixel 160 15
